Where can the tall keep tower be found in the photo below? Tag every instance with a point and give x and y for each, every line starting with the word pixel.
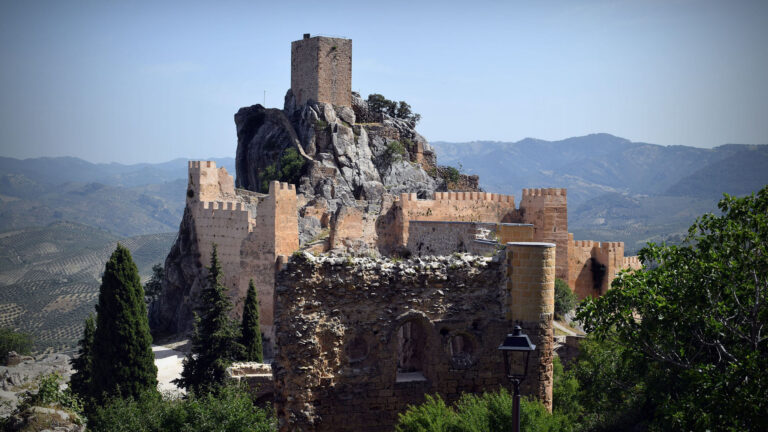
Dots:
pixel 321 70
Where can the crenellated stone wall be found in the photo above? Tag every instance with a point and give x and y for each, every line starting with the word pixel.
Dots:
pixel 547 210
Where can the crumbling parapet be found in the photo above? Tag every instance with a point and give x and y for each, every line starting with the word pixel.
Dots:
pixel 531 303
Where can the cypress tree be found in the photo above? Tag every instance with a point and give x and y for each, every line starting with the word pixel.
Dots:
pixel 215 341
pixel 80 383
pixel 251 331
pixel 123 362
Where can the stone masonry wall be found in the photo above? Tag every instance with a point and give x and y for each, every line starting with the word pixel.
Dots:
pixel 452 206
pixel 587 256
pixel 321 70
pixel 547 210
pixel 445 238
pixel 359 338
pixel 249 230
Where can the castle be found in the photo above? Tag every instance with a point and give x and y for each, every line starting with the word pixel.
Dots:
pixel 346 321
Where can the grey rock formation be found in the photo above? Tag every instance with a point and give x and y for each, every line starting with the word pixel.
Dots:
pixel 172 312
pixel 16 379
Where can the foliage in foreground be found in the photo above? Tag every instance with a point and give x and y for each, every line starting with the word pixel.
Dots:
pixel 123 362
pixel 478 413
pixel 231 409
pixel 684 342
pixel 216 337
pixel 493 411
pixel 48 395
pixel 11 340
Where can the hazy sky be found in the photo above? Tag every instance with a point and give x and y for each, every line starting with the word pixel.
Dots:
pixel 151 81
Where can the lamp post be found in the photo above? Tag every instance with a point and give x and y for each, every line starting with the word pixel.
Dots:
pixel 516 349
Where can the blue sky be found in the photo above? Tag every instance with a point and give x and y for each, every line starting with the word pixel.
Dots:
pixel 152 81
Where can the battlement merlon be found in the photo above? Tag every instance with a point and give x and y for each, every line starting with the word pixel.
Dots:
pixel 462 196
pixel 209 183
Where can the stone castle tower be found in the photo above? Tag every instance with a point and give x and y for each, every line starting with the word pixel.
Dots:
pixel 321 70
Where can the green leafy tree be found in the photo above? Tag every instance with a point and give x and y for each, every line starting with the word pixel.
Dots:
pixel 11 340
pixel 251 339
pixel 123 363
pixel 565 299
pixel 154 285
pixel 696 321
pixel 80 383
pixel 215 342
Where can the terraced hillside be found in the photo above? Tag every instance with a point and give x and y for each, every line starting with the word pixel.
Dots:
pixel 50 277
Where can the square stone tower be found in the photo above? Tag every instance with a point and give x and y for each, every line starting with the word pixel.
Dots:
pixel 321 70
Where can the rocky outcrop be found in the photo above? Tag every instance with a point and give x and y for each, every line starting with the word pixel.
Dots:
pixel 18 378
pixel 172 311
pixel 343 161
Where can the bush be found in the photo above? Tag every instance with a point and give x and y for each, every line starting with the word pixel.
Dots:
pixel 231 410
pixel 395 151
pixel 378 104
pixel 288 169
pixel 472 413
pixel 565 299
pixel 48 395
pixel 11 340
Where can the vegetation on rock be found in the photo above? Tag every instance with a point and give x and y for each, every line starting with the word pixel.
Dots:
pixel 215 341
pixel 380 105
pixel 251 331
pixel 123 362
pixel 288 169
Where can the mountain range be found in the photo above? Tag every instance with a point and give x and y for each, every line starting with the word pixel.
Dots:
pixel 617 189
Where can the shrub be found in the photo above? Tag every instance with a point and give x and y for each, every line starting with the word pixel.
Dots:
pixel 288 169
pixel 378 104
pixel 231 410
pixel 48 395
pixel 11 340
pixel 395 151
pixel 473 413
pixel 565 299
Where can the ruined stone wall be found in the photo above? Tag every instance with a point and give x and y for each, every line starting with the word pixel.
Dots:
pixel 338 319
pixel 359 339
pixel 321 70
pixel 452 206
pixel 208 183
pixel 547 210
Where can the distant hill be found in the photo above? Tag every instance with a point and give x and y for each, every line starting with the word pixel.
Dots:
pixel 50 277
pixel 617 189
pixel 123 199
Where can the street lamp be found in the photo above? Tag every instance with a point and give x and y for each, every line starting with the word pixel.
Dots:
pixel 516 350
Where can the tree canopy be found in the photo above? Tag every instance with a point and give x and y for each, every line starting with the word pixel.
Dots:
pixel 80 382
pixel 215 341
pixel 690 326
pixel 123 363
pixel 251 330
